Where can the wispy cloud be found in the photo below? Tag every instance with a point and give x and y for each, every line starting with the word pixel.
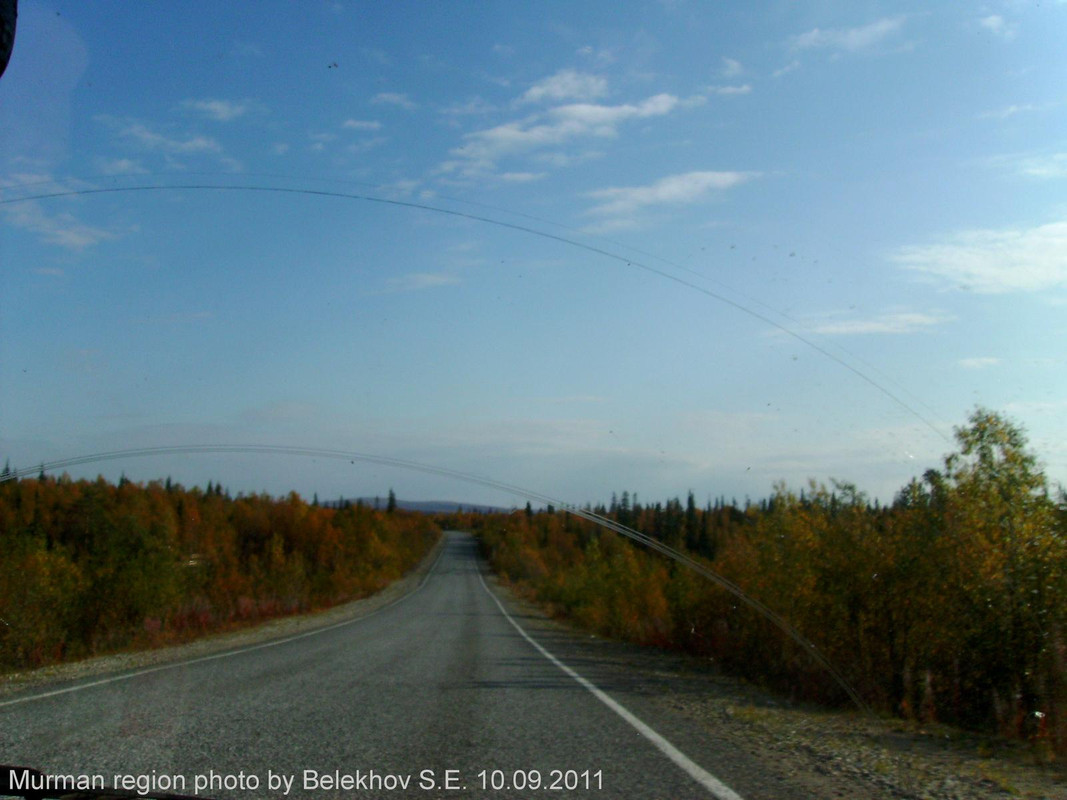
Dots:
pixel 364 145
pixel 248 50
pixel 601 55
pixel 170 144
pixel 401 188
pixel 376 55
pixel 999 26
pixel 687 187
pixel 731 67
pixel 978 362
pixel 63 229
pixel 1012 110
pixel 550 129
pixel 416 281
pixel 997 260
pixel 1035 165
pixel 521 177
pixel 560 160
pixel 612 225
pixel 891 322
pixel 476 105
pixel 1053 165
pixel 319 140
pixel 574 398
pixel 852 40
pixel 744 88
pixel 362 124
pixel 567 84
pixel 218 110
pixel 149 139
pixel 790 67
pixel 120 166
pixel 394 99
pixel 175 318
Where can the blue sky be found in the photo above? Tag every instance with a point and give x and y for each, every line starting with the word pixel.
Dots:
pixel 828 231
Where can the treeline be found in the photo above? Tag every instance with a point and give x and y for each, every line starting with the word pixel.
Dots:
pixel 88 567
pixel 948 604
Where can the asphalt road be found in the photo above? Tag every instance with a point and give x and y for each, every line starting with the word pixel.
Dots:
pixel 440 689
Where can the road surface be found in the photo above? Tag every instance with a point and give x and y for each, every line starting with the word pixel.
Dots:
pixel 441 694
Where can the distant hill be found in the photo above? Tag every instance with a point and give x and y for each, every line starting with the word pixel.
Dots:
pixel 424 506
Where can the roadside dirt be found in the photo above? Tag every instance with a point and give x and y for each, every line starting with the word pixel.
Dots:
pixel 279 628
pixel 811 752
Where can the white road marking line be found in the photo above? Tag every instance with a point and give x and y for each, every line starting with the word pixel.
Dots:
pixel 227 653
pixel 717 788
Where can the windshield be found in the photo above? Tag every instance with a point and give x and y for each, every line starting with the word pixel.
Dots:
pixel 347 348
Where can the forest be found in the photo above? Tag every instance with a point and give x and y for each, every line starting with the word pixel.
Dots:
pixel 89 567
pixel 948 604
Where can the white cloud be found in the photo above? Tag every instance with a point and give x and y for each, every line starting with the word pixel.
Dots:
pixel 376 55
pixel 731 67
pixel 852 40
pixel 790 67
pixel 993 261
pixel 364 145
pixel 62 229
pixel 218 110
pixel 601 120
pixel 142 135
pixel 891 322
pixel 120 166
pixel 362 124
pixel 979 362
pixel 401 188
pixel 248 50
pixel 476 105
pixel 1049 165
pixel 320 140
pixel 602 55
pixel 567 84
pixel 175 318
pixel 550 129
pixel 280 148
pixel 744 88
pixel 572 398
pixel 1035 406
pixel 394 99
pixel 521 177
pixel 998 26
pixel 556 159
pixel 1012 110
pixel 606 227
pixel 674 189
pixel 503 49
pixel 416 281
pixel 153 140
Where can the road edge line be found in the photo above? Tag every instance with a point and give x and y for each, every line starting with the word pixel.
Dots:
pixel 717 788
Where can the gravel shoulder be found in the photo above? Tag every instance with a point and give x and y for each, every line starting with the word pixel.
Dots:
pixel 13 682
pixel 804 751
